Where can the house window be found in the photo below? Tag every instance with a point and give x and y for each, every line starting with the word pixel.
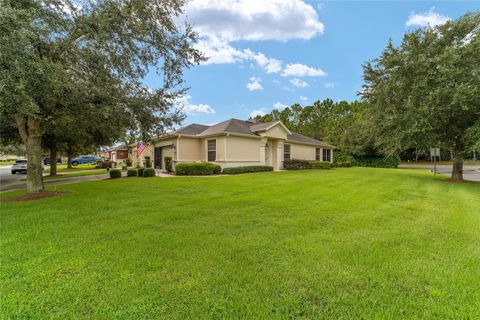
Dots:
pixel 317 154
pixel 212 150
pixel 286 152
pixel 327 155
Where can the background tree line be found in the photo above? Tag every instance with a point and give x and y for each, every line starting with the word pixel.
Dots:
pixel 423 93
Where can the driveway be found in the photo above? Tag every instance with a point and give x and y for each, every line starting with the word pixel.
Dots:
pixel 471 173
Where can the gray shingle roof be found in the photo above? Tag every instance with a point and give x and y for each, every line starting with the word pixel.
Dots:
pixel 297 137
pixel 229 126
pixel 261 126
pixel 243 127
pixel 192 129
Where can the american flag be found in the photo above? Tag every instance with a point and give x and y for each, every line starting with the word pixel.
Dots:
pixel 140 148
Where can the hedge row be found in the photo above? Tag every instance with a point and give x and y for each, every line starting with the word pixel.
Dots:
pixel 197 169
pixel 387 162
pixel 297 164
pixel 246 169
pixel 343 159
pixel 141 172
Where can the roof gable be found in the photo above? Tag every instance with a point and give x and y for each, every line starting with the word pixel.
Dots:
pixel 229 126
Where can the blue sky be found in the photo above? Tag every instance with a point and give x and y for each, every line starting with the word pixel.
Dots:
pixel 271 54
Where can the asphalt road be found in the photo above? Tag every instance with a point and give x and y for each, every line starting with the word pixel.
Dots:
pixel 470 173
pixel 7 178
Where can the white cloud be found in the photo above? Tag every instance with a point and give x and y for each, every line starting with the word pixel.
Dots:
pixel 279 106
pixel 254 84
pixel 303 98
pixel 299 83
pixel 254 20
pixel 329 85
pixel 430 18
pixel 256 113
pixel 219 52
pixel 193 109
pixel 220 22
pixel 301 70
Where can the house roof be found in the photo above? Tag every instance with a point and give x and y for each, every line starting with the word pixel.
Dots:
pixel 193 129
pixel 229 126
pixel 260 126
pixel 297 137
pixel 249 127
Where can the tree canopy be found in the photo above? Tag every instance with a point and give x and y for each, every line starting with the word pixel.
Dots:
pixel 84 62
pixel 427 89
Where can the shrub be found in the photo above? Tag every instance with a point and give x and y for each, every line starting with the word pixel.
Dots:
pixel 115 173
pixel 235 170
pixel 377 162
pixel 345 164
pixel 104 164
pixel 168 164
pixel 149 172
pixel 140 172
pixel 147 162
pixel 296 164
pixel 342 157
pixel 132 173
pixel 128 162
pixel 321 165
pixel 197 169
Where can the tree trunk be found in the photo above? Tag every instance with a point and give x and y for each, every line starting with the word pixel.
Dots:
pixel 53 161
pixel 457 169
pixel 69 160
pixel 30 132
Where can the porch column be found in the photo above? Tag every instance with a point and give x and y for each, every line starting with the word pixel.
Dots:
pixel 279 164
pixel 263 143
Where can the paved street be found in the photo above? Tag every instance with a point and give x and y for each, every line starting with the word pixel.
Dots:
pixel 7 178
pixel 470 173
pixel 16 185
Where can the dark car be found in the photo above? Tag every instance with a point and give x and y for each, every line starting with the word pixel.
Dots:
pixel 46 161
pixel 85 159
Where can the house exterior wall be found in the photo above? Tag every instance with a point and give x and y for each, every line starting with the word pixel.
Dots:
pixel 240 149
pixel 277 132
pixel 189 149
pixel 301 151
pixel 220 151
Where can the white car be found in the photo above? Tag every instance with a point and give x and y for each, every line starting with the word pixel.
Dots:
pixel 21 166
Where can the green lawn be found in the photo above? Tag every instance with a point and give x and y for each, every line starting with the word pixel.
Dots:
pixel 352 243
pixel 447 162
pixel 63 168
pixel 76 174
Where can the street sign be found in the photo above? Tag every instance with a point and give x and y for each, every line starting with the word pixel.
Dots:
pixel 434 153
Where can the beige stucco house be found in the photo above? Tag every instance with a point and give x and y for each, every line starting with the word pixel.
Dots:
pixel 234 143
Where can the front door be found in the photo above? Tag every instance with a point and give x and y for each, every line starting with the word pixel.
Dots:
pixel 157 158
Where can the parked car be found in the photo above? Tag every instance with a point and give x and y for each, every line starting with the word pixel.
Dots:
pixel 84 159
pixel 20 166
pixel 46 161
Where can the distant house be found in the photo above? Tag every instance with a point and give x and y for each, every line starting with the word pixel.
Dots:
pixel 117 154
pixel 235 143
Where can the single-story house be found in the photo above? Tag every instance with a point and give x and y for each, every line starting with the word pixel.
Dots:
pixel 234 143
pixel 117 154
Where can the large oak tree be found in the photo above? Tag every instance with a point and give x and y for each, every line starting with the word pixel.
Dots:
pixel 427 90
pixel 59 57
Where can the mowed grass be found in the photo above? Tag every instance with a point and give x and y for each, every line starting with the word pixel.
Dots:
pixel 353 243
pixel 63 167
